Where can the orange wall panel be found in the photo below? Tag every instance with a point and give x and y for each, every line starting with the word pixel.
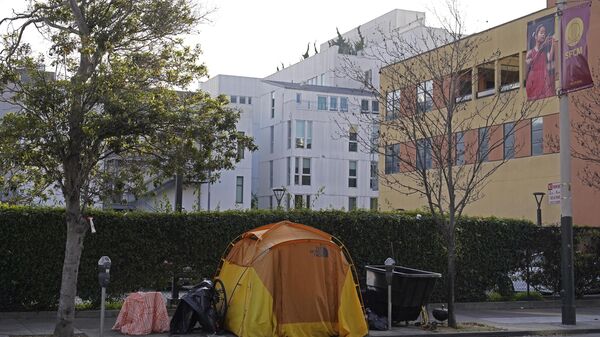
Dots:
pixel 496 143
pixel 523 139
pixel 471 145
pixel 408 153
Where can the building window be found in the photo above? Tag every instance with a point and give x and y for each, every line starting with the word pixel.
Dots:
pixel 249 100
pixel 537 136
pixel 368 77
pixel 465 86
pixel 392 159
pixel 509 73
pixel 392 107
pixel 233 99
pixel 302 201
pixel 289 134
pixel 509 140
pixel 486 77
pixel 270 174
pixel 424 154
pixel 298 98
pixel 344 104
pixel 425 96
pixel 351 203
pixel 242 99
pixel 484 144
pixel 374 182
pixel 302 171
pixel 375 106
pixel 374 204
pixel 375 137
pixel 352 173
pixel 240 149
pixel 322 102
pixel 303 134
pixel 460 148
pixel 239 190
pixel 272 104
pixel 333 103
pixel 364 105
pixel 322 81
pixel 288 170
pixel 272 137
pixel 353 139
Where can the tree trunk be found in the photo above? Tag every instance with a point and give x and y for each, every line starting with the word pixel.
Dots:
pixel 76 228
pixel 451 273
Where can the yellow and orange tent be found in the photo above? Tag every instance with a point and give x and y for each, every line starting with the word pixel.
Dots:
pixel 292 280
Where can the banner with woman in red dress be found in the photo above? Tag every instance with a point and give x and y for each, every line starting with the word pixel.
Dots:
pixel 540 58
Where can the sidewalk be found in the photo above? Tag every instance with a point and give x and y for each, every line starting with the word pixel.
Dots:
pixel 510 319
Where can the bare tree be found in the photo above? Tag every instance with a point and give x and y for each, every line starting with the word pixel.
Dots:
pixel 587 127
pixel 447 118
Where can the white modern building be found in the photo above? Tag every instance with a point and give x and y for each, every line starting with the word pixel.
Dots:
pixel 303 119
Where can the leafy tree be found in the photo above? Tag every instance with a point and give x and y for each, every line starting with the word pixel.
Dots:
pixel 435 141
pixel 305 55
pixel 110 98
pixel 347 47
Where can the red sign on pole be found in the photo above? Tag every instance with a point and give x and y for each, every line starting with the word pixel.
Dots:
pixel 554 193
pixel 575 71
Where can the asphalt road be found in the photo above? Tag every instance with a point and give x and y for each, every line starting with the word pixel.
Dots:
pixel 578 335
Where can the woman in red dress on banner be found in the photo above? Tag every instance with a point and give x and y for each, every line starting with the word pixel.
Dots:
pixel 540 65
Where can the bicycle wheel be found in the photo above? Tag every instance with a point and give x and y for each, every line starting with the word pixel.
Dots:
pixel 220 301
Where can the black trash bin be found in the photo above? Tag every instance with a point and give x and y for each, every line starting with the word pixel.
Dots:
pixel 411 289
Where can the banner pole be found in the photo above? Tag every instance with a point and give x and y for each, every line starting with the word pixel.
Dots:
pixel 566 217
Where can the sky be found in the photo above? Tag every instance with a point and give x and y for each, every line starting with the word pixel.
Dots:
pixel 253 38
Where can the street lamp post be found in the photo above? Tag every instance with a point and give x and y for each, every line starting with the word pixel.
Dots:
pixel 278 192
pixel 539 196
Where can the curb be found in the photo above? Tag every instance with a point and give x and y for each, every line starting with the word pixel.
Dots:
pixel 52 314
pixel 512 333
pixel 506 305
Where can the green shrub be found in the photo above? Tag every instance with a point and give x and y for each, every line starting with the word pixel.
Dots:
pixel 533 296
pixel 113 304
pixel 494 296
pixel 84 305
pixel 32 248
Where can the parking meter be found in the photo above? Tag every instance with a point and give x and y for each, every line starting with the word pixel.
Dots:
pixel 104 279
pixel 389 269
pixel 390 264
pixel 104 271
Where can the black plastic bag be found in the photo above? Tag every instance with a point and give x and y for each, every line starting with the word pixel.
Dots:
pixel 195 307
pixel 376 322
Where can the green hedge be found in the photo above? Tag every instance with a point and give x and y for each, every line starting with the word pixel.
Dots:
pixel 32 248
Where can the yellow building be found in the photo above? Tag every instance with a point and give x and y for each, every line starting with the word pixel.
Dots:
pixel 491 119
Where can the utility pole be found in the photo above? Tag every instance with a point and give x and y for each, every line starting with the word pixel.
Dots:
pixel 566 217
